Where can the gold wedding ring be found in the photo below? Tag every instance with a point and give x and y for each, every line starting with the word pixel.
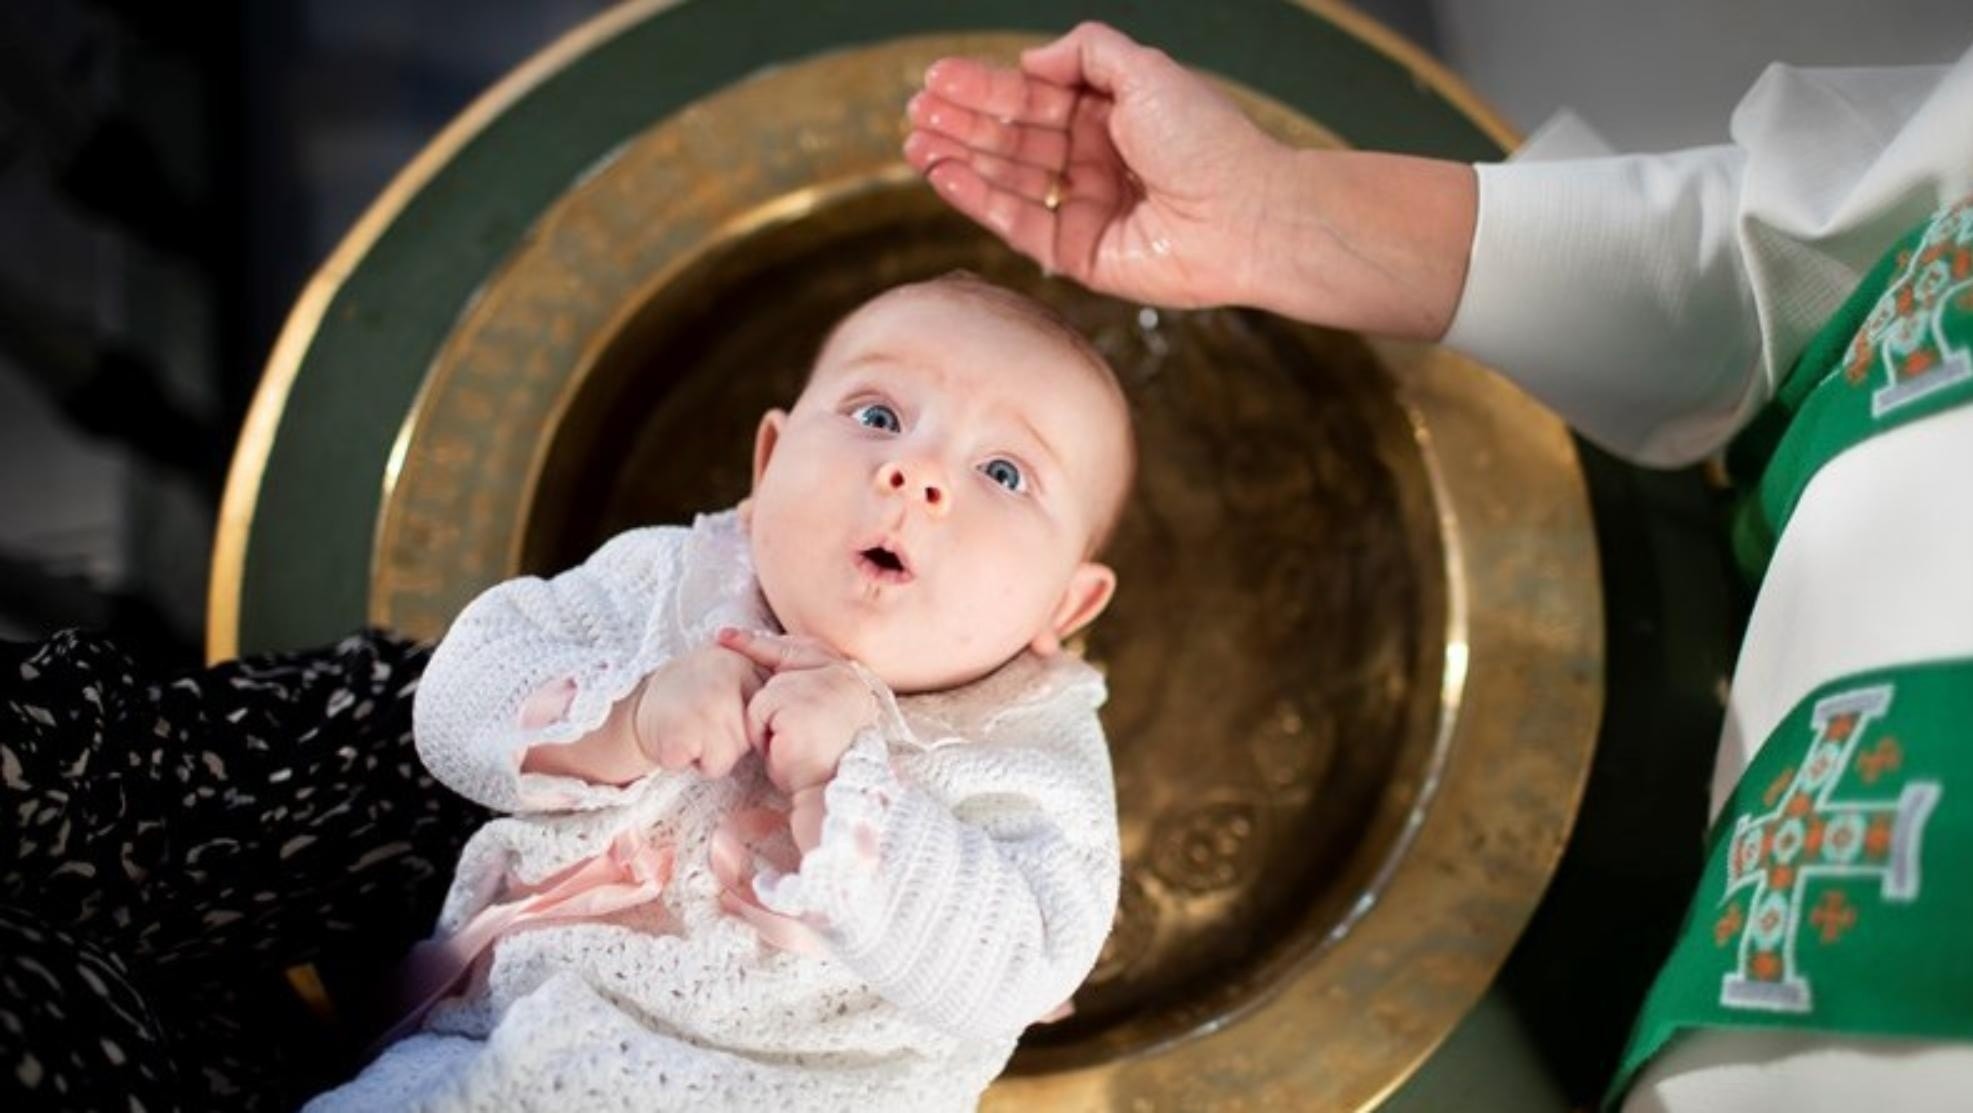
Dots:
pixel 1052 200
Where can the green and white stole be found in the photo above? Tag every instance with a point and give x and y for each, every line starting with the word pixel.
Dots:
pixel 1838 889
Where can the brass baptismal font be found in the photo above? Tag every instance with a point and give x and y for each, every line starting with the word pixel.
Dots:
pixel 1355 658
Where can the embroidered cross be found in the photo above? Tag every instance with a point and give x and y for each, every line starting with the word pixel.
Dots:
pixel 1907 335
pixel 1806 835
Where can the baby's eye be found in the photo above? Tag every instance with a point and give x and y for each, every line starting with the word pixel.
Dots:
pixel 1006 473
pixel 876 415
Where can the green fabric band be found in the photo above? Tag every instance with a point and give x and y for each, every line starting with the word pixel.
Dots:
pixel 1899 349
pixel 1835 895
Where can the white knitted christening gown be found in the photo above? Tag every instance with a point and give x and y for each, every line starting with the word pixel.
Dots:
pixel 991 808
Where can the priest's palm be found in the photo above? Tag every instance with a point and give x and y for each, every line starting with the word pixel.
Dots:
pixel 1162 182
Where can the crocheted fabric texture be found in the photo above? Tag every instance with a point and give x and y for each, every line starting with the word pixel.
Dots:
pixel 991 808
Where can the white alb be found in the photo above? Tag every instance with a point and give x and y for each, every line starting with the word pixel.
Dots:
pixel 1655 301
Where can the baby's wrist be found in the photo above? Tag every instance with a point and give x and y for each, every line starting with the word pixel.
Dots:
pixel 643 749
pixel 810 789
pixel 807 809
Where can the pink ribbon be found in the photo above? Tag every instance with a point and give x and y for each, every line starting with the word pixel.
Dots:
pixel 633 871
pixel 743 838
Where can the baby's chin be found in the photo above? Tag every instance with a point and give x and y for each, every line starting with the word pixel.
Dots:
pixel 904 669
pixel 913 677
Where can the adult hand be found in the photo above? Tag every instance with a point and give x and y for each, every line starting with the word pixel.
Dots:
pixel 1103 160
pixel 808 712
pixel 1108 162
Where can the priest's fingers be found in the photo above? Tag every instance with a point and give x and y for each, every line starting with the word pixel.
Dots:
pixel 1046 147
pixel 1001 93
pixel 924 150
pixel 1094 54
pixel 1025 223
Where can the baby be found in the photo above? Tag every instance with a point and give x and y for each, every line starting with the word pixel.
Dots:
pixel 811 811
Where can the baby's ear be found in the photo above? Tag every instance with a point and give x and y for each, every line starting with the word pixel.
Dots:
pixel 765 438
pixel 1089 591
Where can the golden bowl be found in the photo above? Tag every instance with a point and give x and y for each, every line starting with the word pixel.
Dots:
pixel 1356 655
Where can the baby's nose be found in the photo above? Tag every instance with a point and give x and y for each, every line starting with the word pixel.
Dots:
pixel 916 481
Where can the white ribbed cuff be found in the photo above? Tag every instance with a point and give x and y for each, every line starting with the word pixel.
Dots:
pixel 1612 289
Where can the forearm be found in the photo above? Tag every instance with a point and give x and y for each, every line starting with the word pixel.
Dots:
pixel 608 755
pixel 1362 240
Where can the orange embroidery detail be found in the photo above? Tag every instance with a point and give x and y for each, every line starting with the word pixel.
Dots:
pixel 1841 726
pixel 1885 757
pixel 1797 805
pixel 1919 362
pixel 1962 263
pixel 1904 302
pixel 1834 915
pixel 1727 926
pixel 1812 842
pixel 1766 966
pixel 1778 786
pixel 1780 877
pixel 1877 839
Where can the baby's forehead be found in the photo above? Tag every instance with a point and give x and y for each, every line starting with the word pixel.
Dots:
pixel 935 311
pixel 934 325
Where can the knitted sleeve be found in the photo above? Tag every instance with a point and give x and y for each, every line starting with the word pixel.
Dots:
pixel 592 632
pixel 976 891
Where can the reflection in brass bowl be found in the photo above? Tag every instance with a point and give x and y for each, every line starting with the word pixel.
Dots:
pixel 1355 656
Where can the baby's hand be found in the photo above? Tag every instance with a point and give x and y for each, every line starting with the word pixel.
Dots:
pixel 692 711
pixel 809 710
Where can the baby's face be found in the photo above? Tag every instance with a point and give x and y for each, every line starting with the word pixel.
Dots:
pixel 928 505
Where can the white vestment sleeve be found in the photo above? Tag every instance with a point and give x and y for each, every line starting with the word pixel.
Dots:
pixel 1654 301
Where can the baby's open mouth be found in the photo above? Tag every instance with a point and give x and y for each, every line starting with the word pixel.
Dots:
pixel 885 564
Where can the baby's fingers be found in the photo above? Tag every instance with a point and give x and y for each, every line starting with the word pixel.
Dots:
pixel 726 744
pixel 761 711
pixel 677 749
pixel 778 652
